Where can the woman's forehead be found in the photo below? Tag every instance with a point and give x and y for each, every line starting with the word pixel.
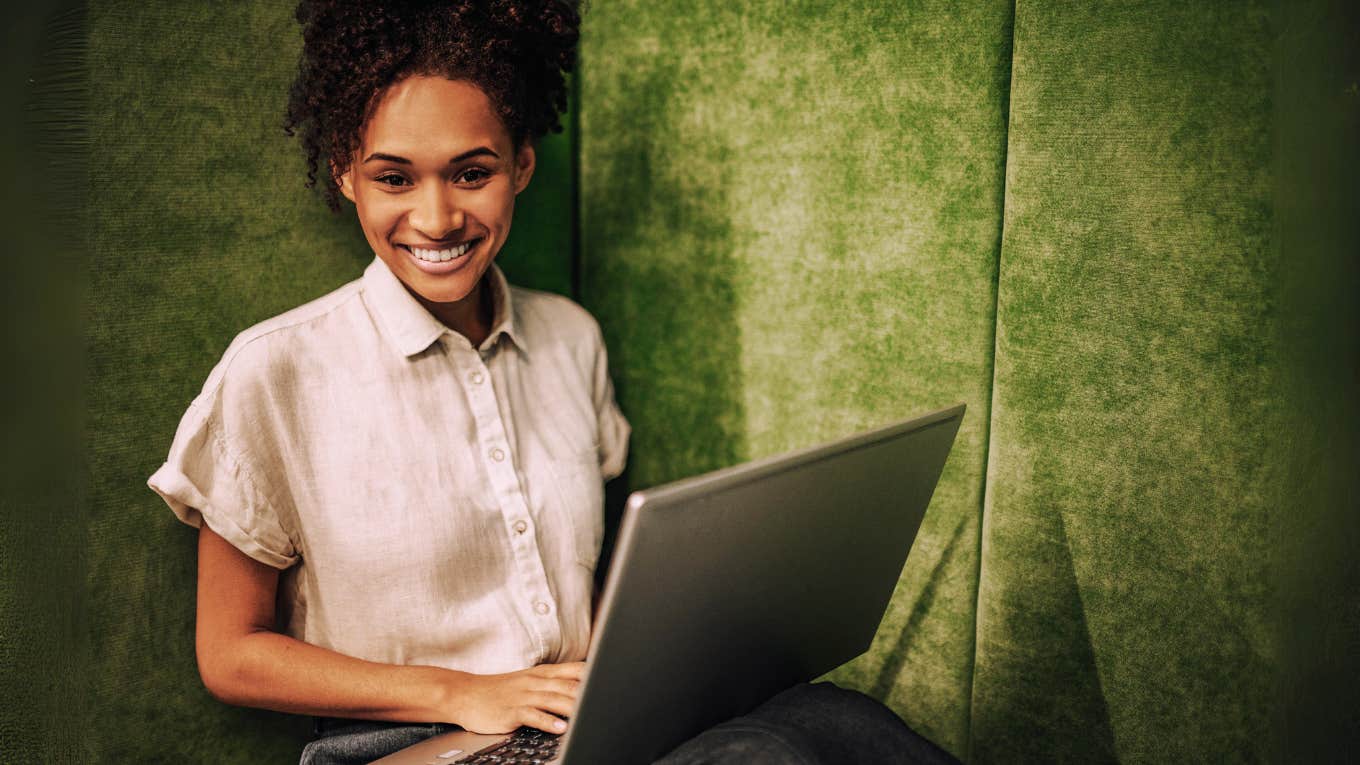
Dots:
pixel 434 116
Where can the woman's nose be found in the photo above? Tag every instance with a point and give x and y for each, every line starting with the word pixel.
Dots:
pixel 437 214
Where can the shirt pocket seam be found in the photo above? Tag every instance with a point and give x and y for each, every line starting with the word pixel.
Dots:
pixel 582 466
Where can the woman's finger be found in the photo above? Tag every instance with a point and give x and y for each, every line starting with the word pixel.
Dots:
pixel 572 669
pixel 556 703
pixel 564 686
pixel 537 718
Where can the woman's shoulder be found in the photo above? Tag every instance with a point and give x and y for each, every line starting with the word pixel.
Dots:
pixel 552 316
pixel 271 350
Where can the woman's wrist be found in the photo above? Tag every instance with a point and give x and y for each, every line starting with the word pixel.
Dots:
pixel 441 691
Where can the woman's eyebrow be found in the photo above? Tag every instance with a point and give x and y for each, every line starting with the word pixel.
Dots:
pixel 477 152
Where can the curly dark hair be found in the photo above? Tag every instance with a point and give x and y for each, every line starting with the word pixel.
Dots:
pixel 517 52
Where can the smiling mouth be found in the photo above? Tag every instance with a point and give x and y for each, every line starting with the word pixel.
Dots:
pixel 440 256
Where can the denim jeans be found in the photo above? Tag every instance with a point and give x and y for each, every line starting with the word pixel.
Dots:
pixel 808 724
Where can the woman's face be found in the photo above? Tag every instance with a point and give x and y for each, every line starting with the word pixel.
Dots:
pixel 434 184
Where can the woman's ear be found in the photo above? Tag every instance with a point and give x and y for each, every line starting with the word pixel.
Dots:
pixel 344 181
pixel 524 166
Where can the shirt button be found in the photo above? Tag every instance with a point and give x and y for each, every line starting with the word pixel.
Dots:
pixel 541 607
pixel 521 527
pixel 477 377
pixel 497 455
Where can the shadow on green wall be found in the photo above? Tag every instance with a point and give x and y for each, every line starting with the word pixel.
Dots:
pixel 675 351
pixel 891 671
pixel 1047 660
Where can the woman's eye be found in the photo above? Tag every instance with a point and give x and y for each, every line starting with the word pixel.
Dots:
pixel 391 180
pixel 473 175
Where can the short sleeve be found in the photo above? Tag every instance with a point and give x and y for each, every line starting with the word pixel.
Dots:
pixel 203 479
pixel 613 426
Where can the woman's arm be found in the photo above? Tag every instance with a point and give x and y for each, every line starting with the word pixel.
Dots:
pixel 243 661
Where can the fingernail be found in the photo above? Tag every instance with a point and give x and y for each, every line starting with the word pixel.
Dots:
pixel 560 725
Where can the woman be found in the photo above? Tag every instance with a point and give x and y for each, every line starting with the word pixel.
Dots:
pixel 411 466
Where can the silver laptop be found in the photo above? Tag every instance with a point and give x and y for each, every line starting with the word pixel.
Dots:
pixel 729 587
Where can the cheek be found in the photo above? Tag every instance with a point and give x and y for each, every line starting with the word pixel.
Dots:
pixel 378 215
pixel 495 210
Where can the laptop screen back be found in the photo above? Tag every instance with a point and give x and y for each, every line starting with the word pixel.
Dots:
pixel 729 587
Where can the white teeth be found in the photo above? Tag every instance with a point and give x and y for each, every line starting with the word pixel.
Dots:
pixel 439 256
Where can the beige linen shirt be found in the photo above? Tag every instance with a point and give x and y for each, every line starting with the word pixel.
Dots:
pixel 428 502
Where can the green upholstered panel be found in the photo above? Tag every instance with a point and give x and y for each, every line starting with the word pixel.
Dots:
pixel 791 226
pixel 790 218
pixel 42 586
pixel 1317 216
pixel 1137 461
pixel 200 227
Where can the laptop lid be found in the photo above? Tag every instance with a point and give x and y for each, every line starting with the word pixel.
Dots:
pixel 731 586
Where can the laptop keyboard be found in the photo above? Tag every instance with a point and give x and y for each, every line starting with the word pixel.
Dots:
pixel 529 746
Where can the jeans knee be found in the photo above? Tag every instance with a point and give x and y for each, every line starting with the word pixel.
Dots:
pixel 827 697
pixel 741 743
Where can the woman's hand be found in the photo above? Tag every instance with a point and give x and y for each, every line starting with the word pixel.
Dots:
pixel 537 697
pixel 243 661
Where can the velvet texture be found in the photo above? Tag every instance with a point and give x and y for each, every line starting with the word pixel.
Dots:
pixel 1129 479
pixel 1125 236
pixel 1161 456
pixel 790 220
pixel 789 223
pixel 42 509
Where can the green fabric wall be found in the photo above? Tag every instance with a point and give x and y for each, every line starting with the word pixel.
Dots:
pixel 1125 236
pixel 1316 104
pixel 42 513
pixel 789 230
pixel 790 222
pixel 1153 469
pixel 1129 476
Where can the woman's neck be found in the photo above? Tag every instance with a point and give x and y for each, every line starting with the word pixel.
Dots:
pixel 470 317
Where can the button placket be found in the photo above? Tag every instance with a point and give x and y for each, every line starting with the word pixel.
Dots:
pixel 492 434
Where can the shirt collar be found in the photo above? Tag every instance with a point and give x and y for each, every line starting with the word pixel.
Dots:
pixel 411 328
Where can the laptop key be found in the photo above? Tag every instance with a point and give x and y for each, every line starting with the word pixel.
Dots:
pixel 526 746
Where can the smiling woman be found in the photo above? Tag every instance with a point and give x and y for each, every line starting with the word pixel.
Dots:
pixel 373 472
pixel 436 205
pixel 398 485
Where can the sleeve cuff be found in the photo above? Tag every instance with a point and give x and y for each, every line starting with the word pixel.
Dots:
pixel 192 508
